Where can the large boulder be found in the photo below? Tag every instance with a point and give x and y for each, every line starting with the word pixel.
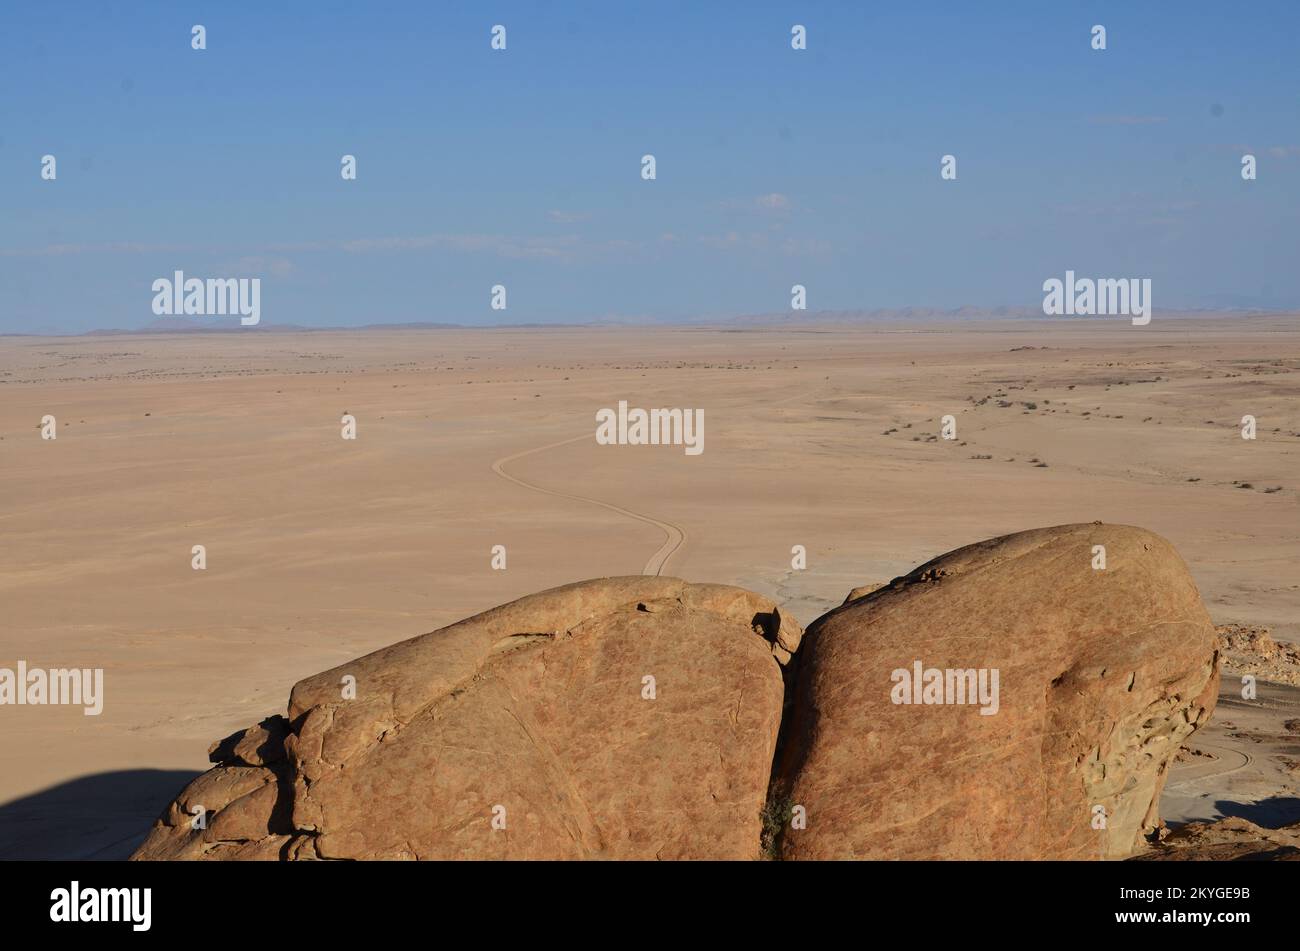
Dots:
pixel 1019 698
pixel 620 718
pixel 1102 673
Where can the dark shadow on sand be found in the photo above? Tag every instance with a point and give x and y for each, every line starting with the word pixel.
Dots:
pixel 1268 813
pixel 102 816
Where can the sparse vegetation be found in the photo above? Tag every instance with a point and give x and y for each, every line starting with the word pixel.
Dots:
pixel 776 815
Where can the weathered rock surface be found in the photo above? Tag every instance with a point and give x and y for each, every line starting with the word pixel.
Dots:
pixel 1102 676
pixel 536 715
pixel 1227 840
pixel 1251 650
pixel 527 731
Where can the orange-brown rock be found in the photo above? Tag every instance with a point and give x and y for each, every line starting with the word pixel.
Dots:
pixel 619 718
pixel 1251 650
pixel 1102 674
pixel 638 718
pixel 1227 840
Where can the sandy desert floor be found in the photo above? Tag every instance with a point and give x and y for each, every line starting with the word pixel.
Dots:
pixel 320 549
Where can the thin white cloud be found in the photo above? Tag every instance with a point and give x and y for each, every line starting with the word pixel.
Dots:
pixel 764 241
pixel 259 264
pixel 114 247
pixel 502 245
pixel 567 217
pixel 506 246
pixel 1128 120
pixel 768 203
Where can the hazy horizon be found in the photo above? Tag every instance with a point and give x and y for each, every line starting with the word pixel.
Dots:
pixel 925 317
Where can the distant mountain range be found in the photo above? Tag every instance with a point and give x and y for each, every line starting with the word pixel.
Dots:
pixel 185 325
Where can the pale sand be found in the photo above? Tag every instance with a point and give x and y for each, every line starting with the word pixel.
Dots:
pixel 321 549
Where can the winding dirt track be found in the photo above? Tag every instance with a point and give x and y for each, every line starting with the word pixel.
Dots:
pixel 674 538
pixel 1228 760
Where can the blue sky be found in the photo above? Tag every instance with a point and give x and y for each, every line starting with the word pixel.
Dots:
pixel 522 167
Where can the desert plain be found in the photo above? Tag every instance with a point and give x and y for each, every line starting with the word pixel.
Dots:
pixel 820 435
